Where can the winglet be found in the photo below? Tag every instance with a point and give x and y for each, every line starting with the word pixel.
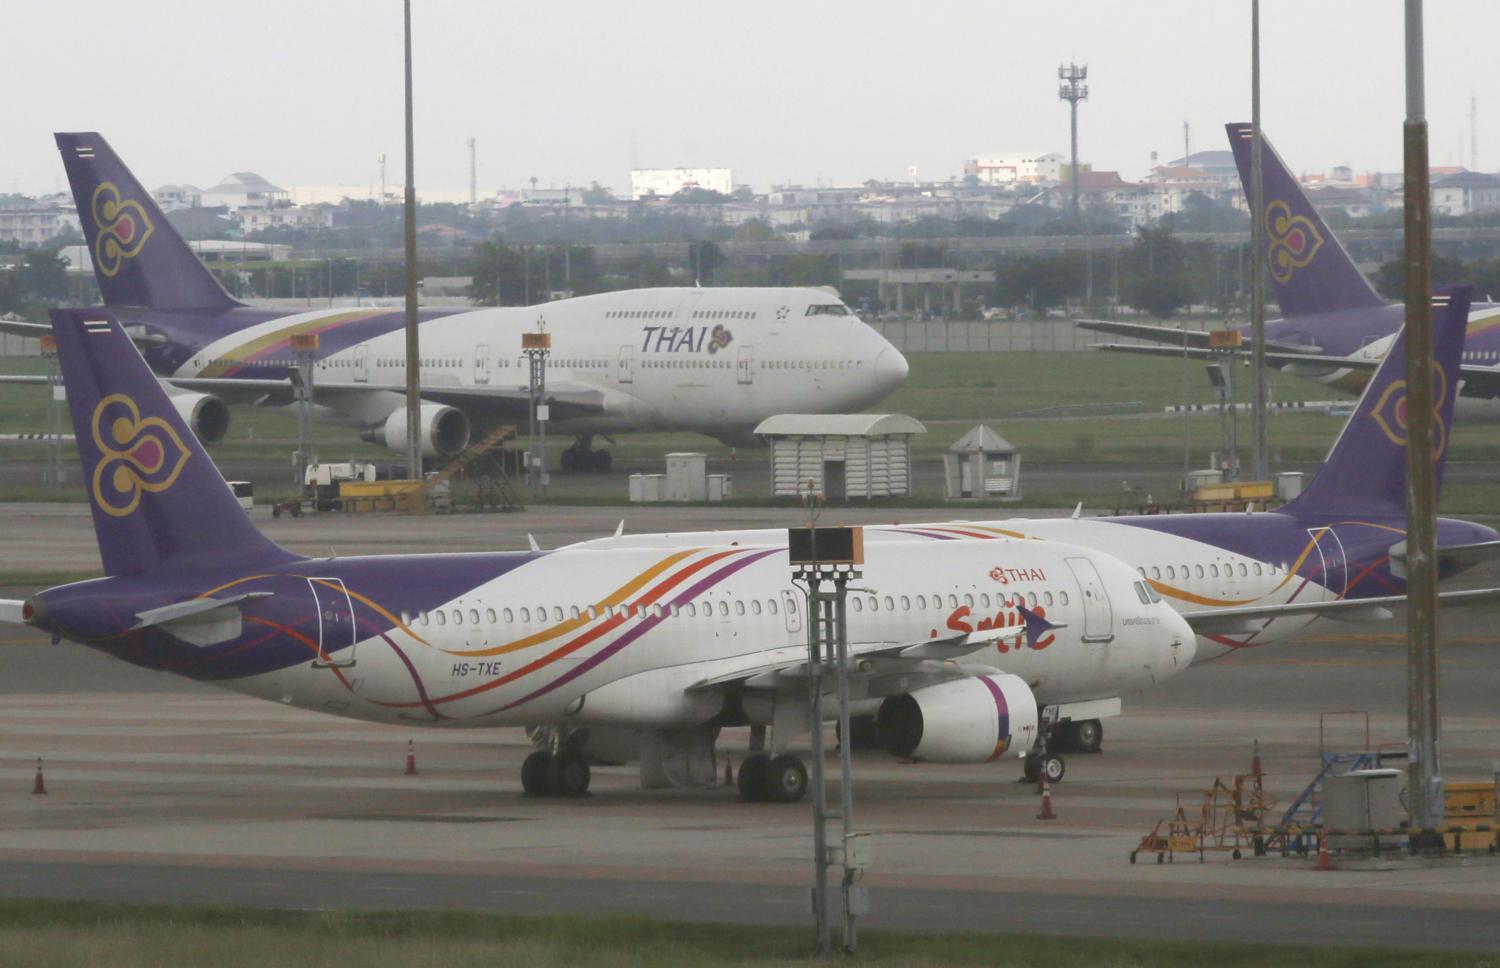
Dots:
pixel 1036 626
pixel 532 542
pixel 620 528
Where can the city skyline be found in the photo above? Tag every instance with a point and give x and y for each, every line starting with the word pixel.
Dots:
pixel 587 93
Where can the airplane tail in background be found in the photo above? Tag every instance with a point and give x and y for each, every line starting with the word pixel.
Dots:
pixel 1366 468
pixel 1309 268
pixel 156 497
pixel 139 259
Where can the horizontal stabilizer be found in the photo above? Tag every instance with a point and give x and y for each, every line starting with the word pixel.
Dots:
pixel 200 621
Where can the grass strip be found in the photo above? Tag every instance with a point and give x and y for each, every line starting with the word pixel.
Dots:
pixel 47 933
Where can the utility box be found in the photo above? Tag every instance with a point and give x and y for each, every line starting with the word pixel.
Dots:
pixel 652 486
pixel 1362 800
pixel 687 477
pixel 244 492
pixel 1288 485
pixel 720 487
pixel 982 464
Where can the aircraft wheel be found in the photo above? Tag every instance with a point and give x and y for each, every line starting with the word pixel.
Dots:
pixel 786 780
pixel 752 778
pixel 603 461
pixel 569 775
pixel 536 774
pixel 1052 768
pixel 1030 769
pixel 1088 736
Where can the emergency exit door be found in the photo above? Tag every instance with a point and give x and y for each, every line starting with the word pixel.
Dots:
pixel 1098 614
pixel 336 627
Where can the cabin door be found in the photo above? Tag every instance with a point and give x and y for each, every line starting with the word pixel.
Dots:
pixel 335 624
pixel 625 371
pixel 1098 614
pixel 791 607
pixel 744 365
pixel 481 364
pixel 361 364
pixel 1331 564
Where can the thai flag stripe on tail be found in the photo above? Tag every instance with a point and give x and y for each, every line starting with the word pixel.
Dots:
pixel 96 327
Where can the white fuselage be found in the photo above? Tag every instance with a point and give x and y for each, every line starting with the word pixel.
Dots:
pixel 707 360
pixel 621 637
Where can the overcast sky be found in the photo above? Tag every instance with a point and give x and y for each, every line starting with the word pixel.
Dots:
pixel 829 91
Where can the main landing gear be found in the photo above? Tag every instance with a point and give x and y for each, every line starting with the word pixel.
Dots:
pixel 1079 736
pixel 581 459
pixel 774 779
pixel 563 774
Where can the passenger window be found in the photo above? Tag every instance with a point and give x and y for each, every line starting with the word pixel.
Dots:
pixel 921 601
pixel 739 608
pixel 525 614
pixel 1198 570
pixel 473 616
pixel 1243 570
pixel 422 617
pixel 1047 597
pixel 692 610
pixel 952 601
pixel 890 604
pixel 1257 568
pixel 969 600
pixel 440 619
pixel 755 606
pixel 858 603
pixel 405 619
pixel 1171 572
pixel 723 608
pixel 656 611
pixel 1155 572
pixel 771 606
pixel 984 599
pixel 458 616
pixel 509 616
pixel 905 603
pixel 489 615
pixel 1213 570
pixel 874 604
pixel 708 609
pixel 1062 598
pixel 1031 599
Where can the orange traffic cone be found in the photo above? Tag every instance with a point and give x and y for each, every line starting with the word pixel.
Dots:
pixel 1324 863
pixel 411 760
pixel 1046 812
pixel 38 786
pixel 1255 761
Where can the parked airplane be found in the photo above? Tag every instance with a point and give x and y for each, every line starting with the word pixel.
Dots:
pixel 647 649
pixel 1244 580
pixel 1336 329
pixel 714 361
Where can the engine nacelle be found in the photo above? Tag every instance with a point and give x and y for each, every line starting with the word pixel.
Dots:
pixel 206 414
pixel 445 431
pixel 969 720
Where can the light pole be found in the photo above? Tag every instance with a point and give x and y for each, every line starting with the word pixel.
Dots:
pixel 537 347
pixel 1260 465
pixel 1072 89
pixel 413 346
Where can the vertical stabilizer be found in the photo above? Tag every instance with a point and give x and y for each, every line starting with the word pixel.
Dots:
pixel 155 496
pixel 139 259
pixel 1366 468
pixel 1309 268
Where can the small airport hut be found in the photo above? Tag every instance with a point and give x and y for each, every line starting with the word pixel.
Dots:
pixel 841 455
pixel 982 464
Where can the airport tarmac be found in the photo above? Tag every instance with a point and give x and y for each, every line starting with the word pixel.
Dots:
pixel 168 790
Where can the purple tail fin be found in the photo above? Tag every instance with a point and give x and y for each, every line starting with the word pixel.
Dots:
pixel 1309 267
pixel 1366 468
pixel 139 259
pixel 155 495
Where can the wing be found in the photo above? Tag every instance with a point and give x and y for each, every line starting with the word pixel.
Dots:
pixel 1175 336
pixel 566 400
pixel 1248 618
pixel 20 327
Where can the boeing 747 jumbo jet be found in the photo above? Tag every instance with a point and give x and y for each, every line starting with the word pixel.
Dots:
pixel 713 361
pixel 1336 329
pixel 1247 580
pixel 642 650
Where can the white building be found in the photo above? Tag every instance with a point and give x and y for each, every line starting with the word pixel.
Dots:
pixel 244 189
pixel 1466 192
pixel 1014 169
pixel 32 226
pixel 669 181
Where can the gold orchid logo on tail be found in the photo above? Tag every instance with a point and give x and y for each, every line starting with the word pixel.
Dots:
pixel 1294 240
pixel 123 228
pixel 136 455
pixel 1391 416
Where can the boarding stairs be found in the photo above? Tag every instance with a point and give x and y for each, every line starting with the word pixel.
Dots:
pixel 482 464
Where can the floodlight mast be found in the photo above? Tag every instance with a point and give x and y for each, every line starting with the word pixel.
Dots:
pixel 1424 783
pixel 1260 464
pixel 413 346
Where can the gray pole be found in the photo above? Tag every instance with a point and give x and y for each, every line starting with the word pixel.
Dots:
pixel 1260 469
pixel 413 347
pixel 1424 781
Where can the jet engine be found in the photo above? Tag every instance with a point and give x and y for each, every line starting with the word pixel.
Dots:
pixel 968 720
pixel 445 431
pixel 207 415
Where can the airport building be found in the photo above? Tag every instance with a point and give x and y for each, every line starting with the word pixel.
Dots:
pixel 645 182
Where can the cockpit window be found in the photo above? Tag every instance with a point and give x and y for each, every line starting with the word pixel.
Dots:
pixel 1146 593
pixel 830 309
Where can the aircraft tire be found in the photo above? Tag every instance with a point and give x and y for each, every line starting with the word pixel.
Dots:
pixel 786 780
pixel 602 461
pixel 1087 736
pixel 1030 768
pixel 569 775
pixel 1052 767
pixel 752 778
pixel 536 772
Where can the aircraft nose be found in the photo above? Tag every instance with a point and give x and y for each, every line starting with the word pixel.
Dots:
pixel 1183 642
pixel 890 369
